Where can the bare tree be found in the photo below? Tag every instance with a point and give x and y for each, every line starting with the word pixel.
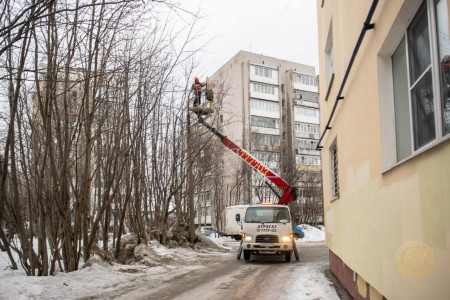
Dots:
pixel 94 143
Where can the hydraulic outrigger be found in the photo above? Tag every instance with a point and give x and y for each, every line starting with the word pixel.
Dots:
pixel 289 192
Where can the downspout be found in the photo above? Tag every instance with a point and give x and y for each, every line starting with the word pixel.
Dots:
pixel 367 26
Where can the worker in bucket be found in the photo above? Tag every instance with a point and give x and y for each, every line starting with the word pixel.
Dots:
pixel 197 88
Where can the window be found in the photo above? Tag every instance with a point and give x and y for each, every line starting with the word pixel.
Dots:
pixel 401 102
pixel 443 34
pixel 73 96
pixel 305 79
pixel 262 71
pixel 420 82
pixel 329 59
pixel 334 171
pixel 307 160
pixel 306 112
pixel 305 144
pixel 421 99
pixel 266 106
pixel 265 122
pixel 258 140
pixel 266 156
pixel 262 214
pixel 306 128
pixel 263 88
pixel 302 95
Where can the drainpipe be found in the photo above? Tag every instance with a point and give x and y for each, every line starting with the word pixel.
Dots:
pixel 367 26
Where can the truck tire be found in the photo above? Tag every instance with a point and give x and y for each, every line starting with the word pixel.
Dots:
pixel 287 255
pixel 247 254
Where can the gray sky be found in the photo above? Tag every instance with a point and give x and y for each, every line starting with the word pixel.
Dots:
pixel 285 29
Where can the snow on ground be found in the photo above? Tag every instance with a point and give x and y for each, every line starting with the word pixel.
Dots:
pixel 311 284
pixel 312 234
pixel 225 242
pixel 95 280
pixel 99 279
pixel 103 279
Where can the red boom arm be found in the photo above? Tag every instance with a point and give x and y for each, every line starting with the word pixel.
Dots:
pixel 289 194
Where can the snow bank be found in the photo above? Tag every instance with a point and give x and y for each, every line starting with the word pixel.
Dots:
pixel 312 234
pixel 225 242
pixel 311 284
pixel 99 279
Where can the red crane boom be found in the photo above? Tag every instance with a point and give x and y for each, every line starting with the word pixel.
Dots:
pixel 290 193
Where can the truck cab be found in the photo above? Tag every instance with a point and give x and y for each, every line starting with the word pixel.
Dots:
pixel 267 228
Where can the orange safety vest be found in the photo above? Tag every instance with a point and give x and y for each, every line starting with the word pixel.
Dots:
pixel 197 86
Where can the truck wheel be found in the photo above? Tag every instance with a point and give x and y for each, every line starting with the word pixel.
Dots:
pixel 247 254
pixel 287 256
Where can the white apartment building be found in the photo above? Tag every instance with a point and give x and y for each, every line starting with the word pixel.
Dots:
pixel 270 107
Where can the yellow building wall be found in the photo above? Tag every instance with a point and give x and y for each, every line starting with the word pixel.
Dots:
pixel 378 212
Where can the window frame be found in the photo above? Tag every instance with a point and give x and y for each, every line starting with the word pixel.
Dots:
pixel 335 190
pixel 398 31
pixel 263 71
pixel 259 121
pixel 307 160
pixel 263 88
pixel 329 61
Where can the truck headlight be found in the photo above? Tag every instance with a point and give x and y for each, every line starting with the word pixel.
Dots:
pixel 286 238
pixel 247 237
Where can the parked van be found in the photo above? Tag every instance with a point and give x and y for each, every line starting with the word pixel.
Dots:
pixel 232 227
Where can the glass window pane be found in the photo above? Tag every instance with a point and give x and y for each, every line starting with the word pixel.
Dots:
pixel 401 102
pixel 423 111
pixel 419 44
pixel 442 24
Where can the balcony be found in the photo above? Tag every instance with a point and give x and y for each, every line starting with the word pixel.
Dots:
pixel 307 135
pixel 266 148
pixel 305 87
pixel 264 130
pixel 264 74
pixel 306 103
pixel 307 152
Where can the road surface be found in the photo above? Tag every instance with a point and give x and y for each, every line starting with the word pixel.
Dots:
pixel 263 277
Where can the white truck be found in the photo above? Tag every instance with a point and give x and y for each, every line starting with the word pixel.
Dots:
pixel 266 228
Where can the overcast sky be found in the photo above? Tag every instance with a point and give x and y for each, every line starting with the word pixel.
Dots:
pixel 284 29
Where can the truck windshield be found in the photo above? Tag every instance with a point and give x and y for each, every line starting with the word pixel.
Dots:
pixel 267 215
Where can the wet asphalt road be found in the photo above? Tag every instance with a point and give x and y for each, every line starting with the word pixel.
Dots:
pixel 225 277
